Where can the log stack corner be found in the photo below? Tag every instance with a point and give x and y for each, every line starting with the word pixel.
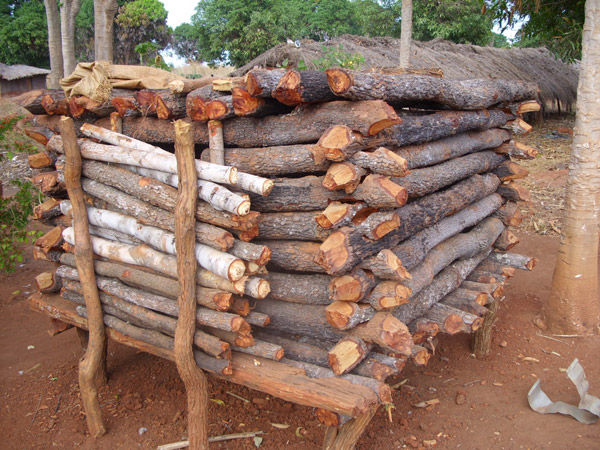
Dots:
pixel 344 219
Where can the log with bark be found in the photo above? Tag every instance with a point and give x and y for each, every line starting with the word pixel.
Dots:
pixel 517 150
pixel 184 86
pixel 509 214
pixel 303 86
pixel 514 191
pixel 39 134
pixel 262 82
pixel 347 354
pixel 345 248
pixel 405 89
pixel 41 160
pixel 32 100
pixel 54 102
pixel 510 170
pixel 515 260
pixel 302 226
pixel 50 184
pixel 453 320
pixel 197 100
pixel 506 241
pixel 245 104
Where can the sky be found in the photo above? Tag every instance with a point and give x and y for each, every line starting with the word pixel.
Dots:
pixel 180 11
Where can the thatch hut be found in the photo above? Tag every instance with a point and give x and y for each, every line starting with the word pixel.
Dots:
pixel 21 78
pixel 557 81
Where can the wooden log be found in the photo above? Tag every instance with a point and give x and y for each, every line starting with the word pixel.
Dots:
pixel 55 103
pixel 431 153
pixel 273 161
pixel 183 86
pixel 116 122
pixel 126 104
pixel 523 107
pixel 414 129
pixel 51 240
pixel 506 241
pixel 458 246
pixel 347 354
pixel 302 226
pixel 420 355
pixel 271 377
pixel 518 126
pixel 148 214
pixel 386 265
pixel 294 255
pixel 91 373
pixel 212 193
pixel 220 108
pixel 509 171
pixel 514 191
pixel 345 248
pixel 329 418
pixel 147 318
pixel 381 161
pixel 423 181
pixel 197 100
pixel 496 290
pixel 31 100
pixel 517 150
pixel 169 105
pixel 344 175
pixel 151 159
pixel 303 86
pixel 481 297
pixel 445 282
pixel 515 260
pixel 80 105
pixel 260 348
pixel 245 104
pixel 347 315
pixel 352 287
pixel 497 267
pixel 464 304
pixel 49 184
pixel 339 214
pixel 423 330
pixel 47 282
pixel 481 342
pixel 227 84
pixel 147 100
pixel 454 320
pixel 509 214
pixel 388 294
pixel 41 160
pixel 297 288
pixel 483 276
pixel 262 82
pixel 220 263
pixel 346 436
pixel 258 319
pixel 405 89
pixel 39 134
pixel 387 331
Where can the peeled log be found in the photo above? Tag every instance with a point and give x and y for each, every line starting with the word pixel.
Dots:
pixel 405 89
pixel 345 248
pixel 303 86
pixel 420 182
pixel 184 86
pixel 435 152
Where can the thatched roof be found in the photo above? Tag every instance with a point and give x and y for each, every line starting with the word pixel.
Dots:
pixel 557 81
pixel 20 71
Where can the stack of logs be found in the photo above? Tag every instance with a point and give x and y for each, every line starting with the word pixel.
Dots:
pixel 363 214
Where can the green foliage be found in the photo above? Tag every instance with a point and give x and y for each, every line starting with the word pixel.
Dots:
pixel 557 25
pixel 149 56
pixel 15 211
pixel 184 42
pixel 459 21
pixel 24 33
pixel 337 57
pixel 138 22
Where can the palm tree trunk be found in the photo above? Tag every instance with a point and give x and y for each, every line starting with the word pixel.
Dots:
pixel 104 13
pixel 574 303
pixel 54 45
pixel 406 34
pixel 68 12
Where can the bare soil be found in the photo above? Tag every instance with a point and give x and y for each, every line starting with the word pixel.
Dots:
pixel 474 403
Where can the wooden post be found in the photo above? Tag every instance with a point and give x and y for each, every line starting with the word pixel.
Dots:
pixel 215 142
pixel 346 436
pixel 185 240
pixel 482 338
pixel 91 365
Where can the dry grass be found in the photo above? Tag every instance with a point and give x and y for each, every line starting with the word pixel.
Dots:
pixel 202 70
pixel 547 176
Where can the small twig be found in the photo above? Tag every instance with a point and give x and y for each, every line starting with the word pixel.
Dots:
pixel 58 403
pixel 471 382
pixel 551 338
pixel 36 411
pixel 239 397
pixel 224 437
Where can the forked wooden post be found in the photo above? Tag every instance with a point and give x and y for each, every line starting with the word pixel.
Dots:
pixel 91 366
pixel 482 338
pixel 346 436
pixel 185 241
pixel 215 142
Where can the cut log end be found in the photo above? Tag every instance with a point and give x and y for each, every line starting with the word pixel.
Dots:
pixel 236 270
pixel 339 80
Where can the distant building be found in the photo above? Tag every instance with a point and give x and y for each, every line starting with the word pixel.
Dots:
pixel 21 78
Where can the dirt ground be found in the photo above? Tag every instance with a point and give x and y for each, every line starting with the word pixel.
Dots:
pixel 473 403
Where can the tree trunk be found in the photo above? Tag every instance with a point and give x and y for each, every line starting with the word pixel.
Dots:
pixel 303 86
pixel 54 45
pixel 262 82
pixel 68 13
pixel 245 104
pixel 406 33
pixel 573 306
pixel 104 13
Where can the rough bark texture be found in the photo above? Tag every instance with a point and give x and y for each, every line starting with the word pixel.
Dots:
pixel 262 82
pixel 406 33
pixel 54 45
pixel 303 86
pixel 245 104
pixel 91 364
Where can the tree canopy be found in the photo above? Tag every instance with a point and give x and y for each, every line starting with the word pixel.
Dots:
pixel 238 30
pixel 557 25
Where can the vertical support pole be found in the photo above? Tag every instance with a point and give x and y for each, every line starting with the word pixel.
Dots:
pixel 215 142
pixel 346 436
pixel 91 366
pixel 185 242
pixel 482 338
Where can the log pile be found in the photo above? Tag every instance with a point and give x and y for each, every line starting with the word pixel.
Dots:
pixel 344 219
